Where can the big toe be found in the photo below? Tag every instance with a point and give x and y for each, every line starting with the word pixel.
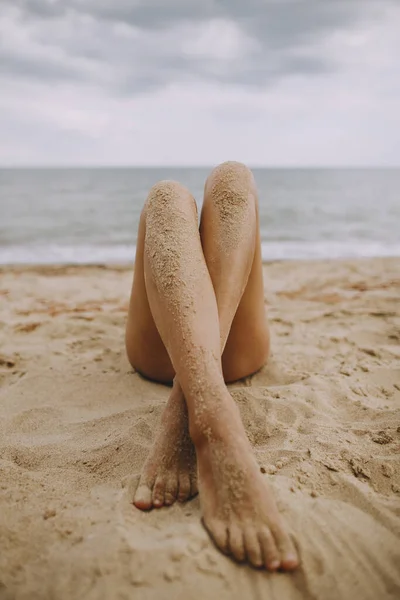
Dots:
pixel 219 534
pixel 236 543
pixel 143 497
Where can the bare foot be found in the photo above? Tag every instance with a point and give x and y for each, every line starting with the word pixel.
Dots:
pixel 170 471
pixel 239 510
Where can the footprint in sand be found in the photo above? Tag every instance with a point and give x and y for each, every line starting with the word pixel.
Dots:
pixel 10 370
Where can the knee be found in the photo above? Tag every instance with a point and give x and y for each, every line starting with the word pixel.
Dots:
pixel 168 195
pixel 169 210
pixel 231 183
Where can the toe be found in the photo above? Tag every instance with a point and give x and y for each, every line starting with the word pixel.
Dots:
pixel 171 490
pixel 158 492
pixel 218 533
pixel 270 552
pixel 253 547
pixel 184 487
pixel 142 498
pixel 236 543
pixel 287 550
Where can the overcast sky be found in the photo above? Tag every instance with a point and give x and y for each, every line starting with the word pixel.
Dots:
pixel 154 82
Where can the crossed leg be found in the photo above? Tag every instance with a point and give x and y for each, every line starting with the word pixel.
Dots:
pixel 235 266
pixel 197 314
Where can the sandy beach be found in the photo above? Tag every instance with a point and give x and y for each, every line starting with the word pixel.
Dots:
pixel 76 424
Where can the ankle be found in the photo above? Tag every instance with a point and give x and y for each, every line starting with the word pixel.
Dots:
pixel 175 410
pixel 214 421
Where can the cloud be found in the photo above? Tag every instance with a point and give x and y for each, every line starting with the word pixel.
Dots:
pixel 278 81
pixel 139 46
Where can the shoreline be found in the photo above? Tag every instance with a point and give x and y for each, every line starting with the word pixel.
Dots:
pixel 122 266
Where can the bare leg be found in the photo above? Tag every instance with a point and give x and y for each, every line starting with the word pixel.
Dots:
pixel 230 236
pixel 170 472
pixel 239 510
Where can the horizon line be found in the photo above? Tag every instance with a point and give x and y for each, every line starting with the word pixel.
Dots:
pixel 193 166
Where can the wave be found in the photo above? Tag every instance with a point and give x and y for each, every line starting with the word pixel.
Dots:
pixel 53 254
pixel 328 249
pixel 125 254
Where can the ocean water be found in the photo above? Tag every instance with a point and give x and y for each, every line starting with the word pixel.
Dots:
pixel 91 215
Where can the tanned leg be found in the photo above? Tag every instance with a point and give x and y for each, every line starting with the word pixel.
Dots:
pixel 239 510
pixel 170 471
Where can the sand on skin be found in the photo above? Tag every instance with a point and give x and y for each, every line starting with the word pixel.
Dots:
pixel 76 425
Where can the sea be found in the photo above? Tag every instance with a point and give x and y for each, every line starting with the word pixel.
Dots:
pixel 91 215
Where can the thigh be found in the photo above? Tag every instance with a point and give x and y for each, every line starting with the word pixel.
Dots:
pixel 248 342
pixel 248 345
pixel 145 348
pixel 236 270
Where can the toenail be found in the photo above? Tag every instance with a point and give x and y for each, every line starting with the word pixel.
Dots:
pixel 291 557
pixel 291 560
pixel 274 565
